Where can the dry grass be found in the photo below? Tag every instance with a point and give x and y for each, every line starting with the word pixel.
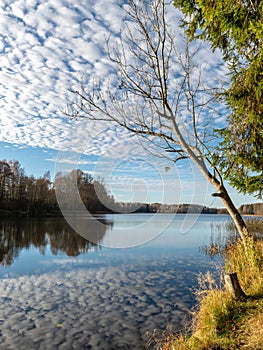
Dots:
pixel 247 262
pixel 166 340
pixel 254 338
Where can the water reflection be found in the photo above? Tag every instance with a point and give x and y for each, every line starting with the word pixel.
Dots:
pixel 220 237
pixel 18 234
pixel 224 235
pixel 104 300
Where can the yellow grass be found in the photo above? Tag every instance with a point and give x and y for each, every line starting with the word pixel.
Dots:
pixel 222 322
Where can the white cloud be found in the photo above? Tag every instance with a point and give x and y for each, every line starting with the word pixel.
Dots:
pixel 46 48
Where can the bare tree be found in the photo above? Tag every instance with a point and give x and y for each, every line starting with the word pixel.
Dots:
pixel 158 94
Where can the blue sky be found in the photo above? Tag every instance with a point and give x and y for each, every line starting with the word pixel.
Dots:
pixel 47 47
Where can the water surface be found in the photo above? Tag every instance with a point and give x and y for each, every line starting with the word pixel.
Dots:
pixel 62 291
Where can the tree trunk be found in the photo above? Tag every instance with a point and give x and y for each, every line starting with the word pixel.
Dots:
pixel 234 213
pixel 233 286
pixel 223 194
pixel 222 191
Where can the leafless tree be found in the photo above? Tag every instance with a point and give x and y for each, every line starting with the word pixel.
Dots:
pixel 158 94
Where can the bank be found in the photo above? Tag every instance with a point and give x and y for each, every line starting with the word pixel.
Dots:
pixel 222 322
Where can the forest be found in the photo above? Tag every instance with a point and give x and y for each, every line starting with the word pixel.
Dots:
pixel 26 195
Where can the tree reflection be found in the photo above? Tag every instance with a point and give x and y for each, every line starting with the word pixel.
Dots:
pixel 16 235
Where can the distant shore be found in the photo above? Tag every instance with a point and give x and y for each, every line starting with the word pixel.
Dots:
pixel 246 209
pixel 255 209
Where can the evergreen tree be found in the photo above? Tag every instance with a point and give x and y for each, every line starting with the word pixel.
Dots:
pixel 236 28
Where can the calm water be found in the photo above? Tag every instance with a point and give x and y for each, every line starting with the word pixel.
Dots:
pixel 104 288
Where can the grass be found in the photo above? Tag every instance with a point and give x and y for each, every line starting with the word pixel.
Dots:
pixel 222 322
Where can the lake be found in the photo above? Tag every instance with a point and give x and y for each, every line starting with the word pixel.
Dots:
pixel 104 288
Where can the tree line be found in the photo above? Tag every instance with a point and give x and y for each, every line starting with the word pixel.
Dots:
pixel 22 194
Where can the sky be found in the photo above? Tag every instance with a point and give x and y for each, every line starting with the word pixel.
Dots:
pixel 47 48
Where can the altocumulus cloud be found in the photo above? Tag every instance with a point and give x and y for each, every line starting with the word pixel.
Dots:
pixel 46 48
